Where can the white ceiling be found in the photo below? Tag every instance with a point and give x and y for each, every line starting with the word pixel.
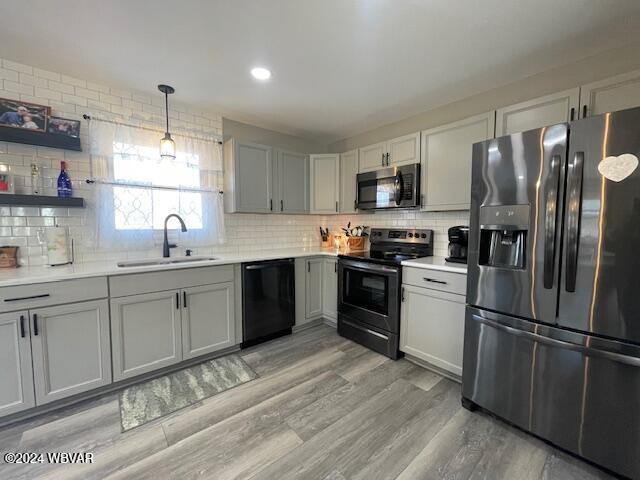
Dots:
pixel 340 67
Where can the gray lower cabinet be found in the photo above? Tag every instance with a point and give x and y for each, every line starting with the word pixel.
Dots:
pixel 313 288
pixel 71 349
pixel 208 322
pixel 155 330
pixel 432 327
pixel 146 332
pixel 330 289
pixel 16 374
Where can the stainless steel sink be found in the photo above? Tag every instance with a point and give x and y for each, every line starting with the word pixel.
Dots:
pixel 164 261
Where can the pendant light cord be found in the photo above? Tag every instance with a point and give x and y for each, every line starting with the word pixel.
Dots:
pixel 166 108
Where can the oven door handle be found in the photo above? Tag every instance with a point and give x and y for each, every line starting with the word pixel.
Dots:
pixel 367 267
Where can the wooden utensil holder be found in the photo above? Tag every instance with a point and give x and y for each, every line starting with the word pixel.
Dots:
pixel 355 243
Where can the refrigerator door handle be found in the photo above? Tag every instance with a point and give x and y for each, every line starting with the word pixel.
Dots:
pixel 550 221
pixel 536 337
pixel 574 207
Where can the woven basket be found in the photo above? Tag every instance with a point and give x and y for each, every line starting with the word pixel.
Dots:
pixel 355 243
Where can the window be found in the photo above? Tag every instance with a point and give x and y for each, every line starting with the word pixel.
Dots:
pixel 136 189
pixel 146 208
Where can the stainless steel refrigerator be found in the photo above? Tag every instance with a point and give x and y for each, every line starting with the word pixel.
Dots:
pixel 552 328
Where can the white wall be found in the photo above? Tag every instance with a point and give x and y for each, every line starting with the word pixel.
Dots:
pixel 597 67
pixel 251 133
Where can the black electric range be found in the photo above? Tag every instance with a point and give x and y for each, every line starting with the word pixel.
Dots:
pixel 370 286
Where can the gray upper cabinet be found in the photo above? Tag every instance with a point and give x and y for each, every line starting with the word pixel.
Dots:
pixel 398 151
pixel 313 290
pixel 610 95
pixel 16 374
pixel 292 174
pixel 248 177
pixel 446 162
pixel 146 332
pixel 208 322
pixel 372 157
pixel 325 182
pixel 403 150
pixel 556 108
pixel 71 349
pixel 348 181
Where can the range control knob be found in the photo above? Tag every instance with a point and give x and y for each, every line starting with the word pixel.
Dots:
pixel 424 235
pixel 411 235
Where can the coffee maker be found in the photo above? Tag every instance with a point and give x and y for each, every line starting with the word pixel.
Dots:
pixel 458 239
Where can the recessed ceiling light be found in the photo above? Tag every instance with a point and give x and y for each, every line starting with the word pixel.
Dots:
pixel 260 73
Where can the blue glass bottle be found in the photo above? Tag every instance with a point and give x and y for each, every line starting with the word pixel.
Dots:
pixel 64 182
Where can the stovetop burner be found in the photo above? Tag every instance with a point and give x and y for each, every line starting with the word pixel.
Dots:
pixel 392 247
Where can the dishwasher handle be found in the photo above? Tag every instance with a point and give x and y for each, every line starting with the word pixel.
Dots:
pixel 268 264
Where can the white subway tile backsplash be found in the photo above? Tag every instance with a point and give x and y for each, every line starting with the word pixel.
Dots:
pixel 71 97
pixel 61 87
pixel 97 87
pixel 47 93
pixel 24 211
pixel 73 81
pixel 40 221
pixel 17 87
pixel 7 74
pixel 13 221
pixel 19 67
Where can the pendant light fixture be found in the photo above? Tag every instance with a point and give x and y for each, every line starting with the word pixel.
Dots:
pixel 167 145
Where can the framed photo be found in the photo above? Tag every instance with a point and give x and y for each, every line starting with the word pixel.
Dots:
pixel 64 126
pixel 17 114
pixel 6 179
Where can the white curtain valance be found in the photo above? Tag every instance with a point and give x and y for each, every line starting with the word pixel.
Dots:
pixel 104 136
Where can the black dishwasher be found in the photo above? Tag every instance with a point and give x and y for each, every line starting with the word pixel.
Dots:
pixel 268 300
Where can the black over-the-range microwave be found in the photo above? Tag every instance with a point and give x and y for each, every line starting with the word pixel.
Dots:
pixel 394 187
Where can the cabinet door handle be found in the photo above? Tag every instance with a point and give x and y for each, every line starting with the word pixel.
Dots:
pixel 35 324
pixel 402 295
pixel 44 295
pixel 281 205
pixel 584 111
pixel 387 159
pixel 432 280
pixel 309 267
pixel 572 115
pixel 22 326
pixel 335 267
pixel 336 206
pixel 184 299
pixel 177 301
pixel 271 204
pixel 383 155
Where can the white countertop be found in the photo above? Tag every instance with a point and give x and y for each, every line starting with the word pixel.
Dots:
pixel 436 263
pixel 41 274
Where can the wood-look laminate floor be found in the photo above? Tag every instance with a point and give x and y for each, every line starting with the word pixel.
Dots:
pixel 323 408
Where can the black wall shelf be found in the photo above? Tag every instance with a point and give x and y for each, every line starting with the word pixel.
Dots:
pixel 43 139
pixel 40 201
